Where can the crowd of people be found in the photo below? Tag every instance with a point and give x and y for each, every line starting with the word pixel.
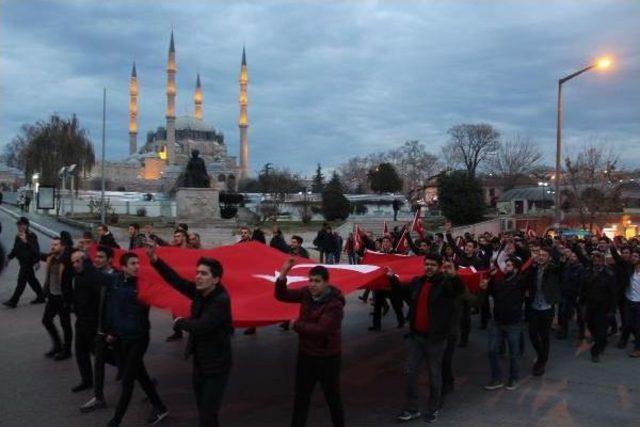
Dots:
pixel 527 283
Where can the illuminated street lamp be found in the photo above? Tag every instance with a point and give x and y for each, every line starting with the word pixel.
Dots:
pixel 543 185
pixel 601 64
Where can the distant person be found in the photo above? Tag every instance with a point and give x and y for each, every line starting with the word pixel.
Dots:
pixel 193 241
pixel 296 247
pixel 136 239
pixel 277 241
pixel 258 236
pixel 148 234
pixel 396 208
pixel 106 238
pixel 245 235
pixel 27 250
pixel 179 238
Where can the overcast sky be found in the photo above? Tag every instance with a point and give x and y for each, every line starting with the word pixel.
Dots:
pixel 329 80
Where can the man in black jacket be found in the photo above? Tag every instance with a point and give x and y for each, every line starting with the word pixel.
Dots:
pixel 209 327
pixel 431 314
pixel 27 250
pixel 128 328
pixel 106 237
pixel 507 293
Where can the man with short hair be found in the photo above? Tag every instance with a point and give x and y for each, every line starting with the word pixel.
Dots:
pixel 432 299
pixel 27 250
pixel 85 242
pixel 209 327
pixel 106 238
pixel 136 239
pixel 128 328
pixel 296 247
pixel 148 234
pixel 245 234
pixel 319 327
pixel 193 241
pixel 180 238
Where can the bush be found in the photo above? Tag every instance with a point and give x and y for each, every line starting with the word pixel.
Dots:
pixel 228 212
pixel 231 198
pixel 141 212
pixel 334 204
pixel 460 197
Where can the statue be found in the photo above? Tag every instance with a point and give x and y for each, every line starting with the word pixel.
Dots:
pixel 195 174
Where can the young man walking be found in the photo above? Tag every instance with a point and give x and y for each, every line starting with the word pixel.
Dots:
pixel 319 327
pixel 27 250
pixel 209 327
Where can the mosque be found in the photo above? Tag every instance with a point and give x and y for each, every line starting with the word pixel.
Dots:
pixel 157 164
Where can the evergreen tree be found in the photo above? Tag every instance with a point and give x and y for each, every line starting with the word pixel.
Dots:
pixel 318 181
pixel 460 198
pixel 385 179
pixel 334 204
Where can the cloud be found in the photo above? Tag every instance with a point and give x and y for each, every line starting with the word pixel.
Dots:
pixel 330 79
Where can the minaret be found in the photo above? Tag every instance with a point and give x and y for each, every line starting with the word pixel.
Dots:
pixel 197 99
pixel 243 122
pixel 171 104
pixel 133 111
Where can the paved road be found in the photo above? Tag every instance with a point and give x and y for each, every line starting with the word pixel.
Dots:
pixel 35 392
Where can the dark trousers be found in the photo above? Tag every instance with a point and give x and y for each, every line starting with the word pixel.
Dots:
pixel 632 325
pixel 423 349
pixel 539 330
pixel 566 310
pixel 57 307
pixel 597 321
pixel 103 354
pixel 131 355
pixel 309 371
pixel 447 362
pixel 485 313
pixel 26 275
pixel 396 302
pixel 498 333
pixel 465 320
pixel 85 346
pixel 209 391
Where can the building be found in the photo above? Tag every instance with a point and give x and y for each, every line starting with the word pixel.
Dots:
pixel 157 164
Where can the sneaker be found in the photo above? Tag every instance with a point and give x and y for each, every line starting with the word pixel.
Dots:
pixel 38 301
pixel 157 415
pixel 494 385
pixel 635 353
pixel 405 416
pixel 595 358
pixel 512 385
pixel 81 387
pixel 174 337
pixel 431 417
pixel 10 304
pixel 62 355
pixel 92 405
pixel 52 353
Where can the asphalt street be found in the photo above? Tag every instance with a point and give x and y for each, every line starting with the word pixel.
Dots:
pixel 35 391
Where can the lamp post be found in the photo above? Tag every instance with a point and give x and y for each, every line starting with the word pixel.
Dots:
pixel 602 63
pixel 543 185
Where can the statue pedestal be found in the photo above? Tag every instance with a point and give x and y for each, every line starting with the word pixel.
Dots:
pixel 197 205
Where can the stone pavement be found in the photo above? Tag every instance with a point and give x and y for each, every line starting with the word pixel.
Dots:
pixel 35 391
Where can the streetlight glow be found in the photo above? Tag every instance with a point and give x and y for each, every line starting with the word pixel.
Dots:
pixel 604 62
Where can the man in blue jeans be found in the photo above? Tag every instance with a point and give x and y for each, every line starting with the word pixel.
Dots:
pixel 508 297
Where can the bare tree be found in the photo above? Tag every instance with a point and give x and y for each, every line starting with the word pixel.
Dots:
pixel 470 145
pixel 590 190
pixel 516 158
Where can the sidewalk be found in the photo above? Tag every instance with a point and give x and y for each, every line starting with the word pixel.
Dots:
pixel 45 224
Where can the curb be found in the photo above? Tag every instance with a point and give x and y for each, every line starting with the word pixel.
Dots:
pixel 38 227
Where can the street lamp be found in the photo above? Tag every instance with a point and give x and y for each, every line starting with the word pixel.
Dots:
pixel 601 64
pixel 543 185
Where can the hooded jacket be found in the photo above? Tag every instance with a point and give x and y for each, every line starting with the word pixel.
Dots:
pixel 319 324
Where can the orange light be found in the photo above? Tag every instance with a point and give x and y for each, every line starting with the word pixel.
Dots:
pixel 604 62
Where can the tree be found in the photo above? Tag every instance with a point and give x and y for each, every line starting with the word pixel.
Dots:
pixel 516 158
pixel 54 144
pixel 460 198
pixel 470 145
pixel 384 179
pixel 318 181
pixel 13 154
pixel 588 180
pixel 277 183
pixel 334 204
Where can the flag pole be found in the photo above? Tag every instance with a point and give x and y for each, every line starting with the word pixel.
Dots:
pixel 103 210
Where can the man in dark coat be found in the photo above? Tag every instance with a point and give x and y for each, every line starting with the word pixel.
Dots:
pixel 319 327
pixel 27 250
pixel 209 327
pixel 106 238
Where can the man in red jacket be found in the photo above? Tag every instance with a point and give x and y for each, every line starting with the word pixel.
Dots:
pixel 319 327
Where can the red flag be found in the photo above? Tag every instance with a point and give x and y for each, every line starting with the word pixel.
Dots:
pixel 249 275
pixel 417 225
pixel 403 243
pixel 358 244
pixel 408 267
pixel 385 229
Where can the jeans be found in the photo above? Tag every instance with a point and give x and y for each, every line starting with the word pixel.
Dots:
pixel 632 317
pixel 309 371
pixel 423 349
pixel 131 354
pixel 510 333
pixel 209 391
pixel 566 310
pixel 84 346
pixel 352 257
pixel 26 275
pixel 56 306
pixel 598 321
pixel 447 362
pixel 539 330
